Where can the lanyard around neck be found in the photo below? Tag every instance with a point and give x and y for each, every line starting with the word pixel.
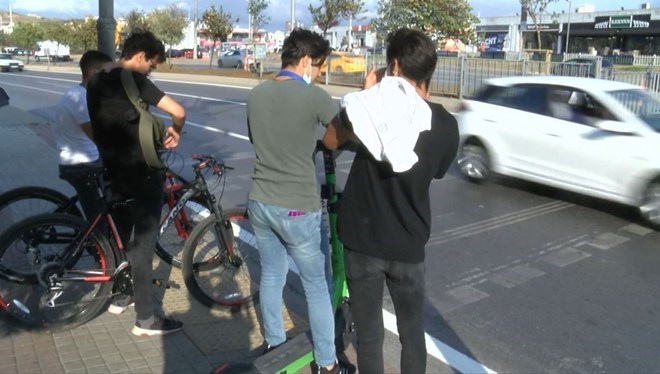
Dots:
pixel 290 74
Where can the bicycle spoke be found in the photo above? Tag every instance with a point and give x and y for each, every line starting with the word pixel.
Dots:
pixel 217 276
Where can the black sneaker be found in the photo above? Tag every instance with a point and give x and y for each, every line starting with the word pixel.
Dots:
pixel 271 347
pixel 339 368
pixel 159 326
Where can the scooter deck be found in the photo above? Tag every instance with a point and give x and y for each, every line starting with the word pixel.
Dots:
pixel 284 356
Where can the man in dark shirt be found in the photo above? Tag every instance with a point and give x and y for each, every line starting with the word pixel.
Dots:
pixel 115 127
pixel 384 217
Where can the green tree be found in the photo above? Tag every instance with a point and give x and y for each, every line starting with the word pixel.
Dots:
pixel 134 20
pixel 85 33
pixel 437 18
pixel 59 31
pixel 167 24
pixel 26 36
pixel 535 9
pixel 216 25
pixel 256 12
pixel 328 13
pixel 5 39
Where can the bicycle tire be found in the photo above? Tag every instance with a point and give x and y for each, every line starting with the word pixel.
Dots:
pixel 22 202
pixel 207 272
pixel 23 268
pixel 170 244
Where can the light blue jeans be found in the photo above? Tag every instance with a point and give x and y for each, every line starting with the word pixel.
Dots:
pixel 280 231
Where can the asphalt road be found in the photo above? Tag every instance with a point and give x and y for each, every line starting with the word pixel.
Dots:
pixel 520 278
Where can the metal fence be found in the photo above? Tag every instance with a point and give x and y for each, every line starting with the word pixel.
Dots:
pixel 464 76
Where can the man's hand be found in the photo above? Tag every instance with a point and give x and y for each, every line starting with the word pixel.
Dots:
pixel 171 138
pixel 373 77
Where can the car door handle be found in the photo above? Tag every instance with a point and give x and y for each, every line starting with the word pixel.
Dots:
pixel 490 120
pixel 551 134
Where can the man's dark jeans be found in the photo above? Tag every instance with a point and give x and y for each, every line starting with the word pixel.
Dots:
pixel 366 277
pixel 76 175
pixel 140 218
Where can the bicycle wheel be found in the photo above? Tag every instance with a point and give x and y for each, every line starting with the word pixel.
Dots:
pixel 171 241
pixel 32 252
pixel 215 276
pixel 20 203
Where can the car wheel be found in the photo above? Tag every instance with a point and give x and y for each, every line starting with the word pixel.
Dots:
pixel 474 163
pixel 239 65
pixel 650 206
pixel 220 64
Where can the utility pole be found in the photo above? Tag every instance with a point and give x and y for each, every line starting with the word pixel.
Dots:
pixel 293 14
pixel 568 26
pixel 105 27
pixel 195 33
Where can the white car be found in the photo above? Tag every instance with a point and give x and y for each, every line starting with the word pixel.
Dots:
pixel 594 137
pixel 8 63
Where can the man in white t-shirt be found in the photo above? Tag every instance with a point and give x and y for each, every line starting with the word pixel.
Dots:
pixel 73 134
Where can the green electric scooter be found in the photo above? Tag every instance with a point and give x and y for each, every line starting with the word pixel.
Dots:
pixel 296 353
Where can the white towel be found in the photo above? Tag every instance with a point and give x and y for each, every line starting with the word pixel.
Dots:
pixel 387 118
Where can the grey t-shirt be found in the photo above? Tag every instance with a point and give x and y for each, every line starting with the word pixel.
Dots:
pixel 283 119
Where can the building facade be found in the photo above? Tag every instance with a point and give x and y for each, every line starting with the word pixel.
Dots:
pixel 584 30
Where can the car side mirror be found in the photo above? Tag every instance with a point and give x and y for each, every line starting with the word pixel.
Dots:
pixel 614 127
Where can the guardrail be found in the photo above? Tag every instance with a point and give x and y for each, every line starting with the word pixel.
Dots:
pixel 464 75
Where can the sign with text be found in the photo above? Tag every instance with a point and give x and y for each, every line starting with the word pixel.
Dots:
pixel 494 41
pixel 637 21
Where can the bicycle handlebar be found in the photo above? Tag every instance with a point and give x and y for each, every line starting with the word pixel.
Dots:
pixel 208 161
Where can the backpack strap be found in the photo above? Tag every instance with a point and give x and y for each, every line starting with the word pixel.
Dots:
pixel 146 130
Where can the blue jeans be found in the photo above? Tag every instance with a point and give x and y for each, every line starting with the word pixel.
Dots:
pixel 280 232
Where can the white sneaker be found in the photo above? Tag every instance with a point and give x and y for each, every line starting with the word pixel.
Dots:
pixel 118 309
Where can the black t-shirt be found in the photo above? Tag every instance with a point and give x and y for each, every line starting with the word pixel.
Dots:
pixel 388 215
pixel 115 121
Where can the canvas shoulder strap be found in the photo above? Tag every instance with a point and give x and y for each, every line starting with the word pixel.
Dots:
pixel 146 130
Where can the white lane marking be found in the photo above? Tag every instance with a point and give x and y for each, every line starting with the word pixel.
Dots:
pixel 442 351
pixel 202 83
pixel 496 222
pixel 51 78
pixel 206 98
pixel 32 88
pixel 209 128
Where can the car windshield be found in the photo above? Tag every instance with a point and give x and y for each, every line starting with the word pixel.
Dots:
pixel 643 105
pixel 5 57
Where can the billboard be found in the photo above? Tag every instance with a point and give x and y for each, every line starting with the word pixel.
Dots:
pixel 494 41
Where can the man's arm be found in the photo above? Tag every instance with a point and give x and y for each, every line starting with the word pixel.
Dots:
pixel 178 114
pixel 339 131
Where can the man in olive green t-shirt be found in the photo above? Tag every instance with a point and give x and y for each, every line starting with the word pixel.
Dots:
pixel 284 205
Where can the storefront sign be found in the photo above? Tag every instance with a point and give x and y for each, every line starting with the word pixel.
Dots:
pixel 494 41
pixel 642 21
pixel 543 27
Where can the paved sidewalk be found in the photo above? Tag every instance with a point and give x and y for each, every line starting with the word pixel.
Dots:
pixel 105 345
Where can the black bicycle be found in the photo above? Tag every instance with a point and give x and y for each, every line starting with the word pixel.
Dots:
pixel 20 203
pixel 58 271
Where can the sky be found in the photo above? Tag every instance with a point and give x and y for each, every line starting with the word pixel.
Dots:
pixel 280 10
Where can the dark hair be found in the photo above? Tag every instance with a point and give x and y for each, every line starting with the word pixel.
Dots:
pixel 144 41
pixel 301 43
pixel 92 60
pixel 415 53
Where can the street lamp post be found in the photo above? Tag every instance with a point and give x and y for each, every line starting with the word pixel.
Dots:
pixel 195 33
pixel 105 27
pixel 293 14
pixel 568 26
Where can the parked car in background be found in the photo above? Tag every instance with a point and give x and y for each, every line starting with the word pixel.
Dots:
pixel 590 136
pixel 344 62
pixel 188 53
pixel 236 58
pixel 585 67
pixel 9 63
pixel 174 53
